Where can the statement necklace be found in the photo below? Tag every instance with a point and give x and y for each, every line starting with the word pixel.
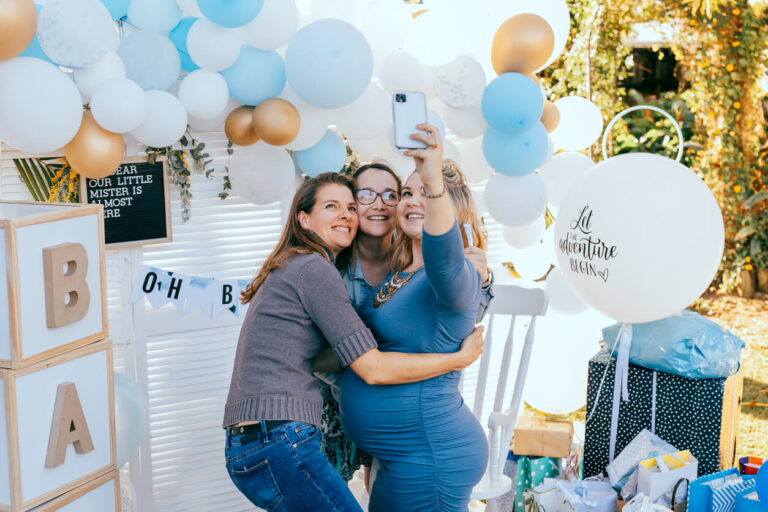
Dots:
pixel 389 288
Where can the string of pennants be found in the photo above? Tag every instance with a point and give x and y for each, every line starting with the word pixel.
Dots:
pixel 186 292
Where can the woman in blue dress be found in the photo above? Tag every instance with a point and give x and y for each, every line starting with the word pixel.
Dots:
pixel 430 448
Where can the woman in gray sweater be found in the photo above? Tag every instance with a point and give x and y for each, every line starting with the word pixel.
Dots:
pixel 298 304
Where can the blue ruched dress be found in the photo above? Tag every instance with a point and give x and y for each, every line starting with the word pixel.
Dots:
pixel 431 449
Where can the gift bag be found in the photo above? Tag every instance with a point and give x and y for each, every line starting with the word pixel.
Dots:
pixel 535 436
pixel 657 476
pixel 526 473
pixel 644 445
pixel 588 495
pixel 701 492
pixel 724 496
pixel 545 498
pixel 748 501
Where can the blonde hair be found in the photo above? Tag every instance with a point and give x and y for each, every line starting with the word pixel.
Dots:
pixel 466 213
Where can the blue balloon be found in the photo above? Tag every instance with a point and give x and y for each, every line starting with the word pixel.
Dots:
pixel 178 37
pixel 512 102
pixel 117 8
pixel 762 484
pixel 328 155
pixel 329 63
pixel 131 417
pixel 255 76
pixel 516 154
pixel 230 13
pixel 34 49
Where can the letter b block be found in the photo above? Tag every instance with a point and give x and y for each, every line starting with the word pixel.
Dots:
pixel 52 273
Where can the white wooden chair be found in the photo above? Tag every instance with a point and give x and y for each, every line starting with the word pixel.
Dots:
pixel 514 301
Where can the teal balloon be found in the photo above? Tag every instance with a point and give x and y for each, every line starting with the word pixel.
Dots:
pixel 117 8
pixel 328 155
pixel 255 76
pixel 512 102
pixel 329 63
pixel 34 49
pixel 178 37
pixel 515 154
pixel 131 417
pixel 230 13
pixel 762 484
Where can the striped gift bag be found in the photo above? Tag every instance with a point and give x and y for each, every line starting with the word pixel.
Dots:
pixel 724 497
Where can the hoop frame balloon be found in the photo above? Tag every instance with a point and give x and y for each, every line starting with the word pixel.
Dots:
pixel 644 107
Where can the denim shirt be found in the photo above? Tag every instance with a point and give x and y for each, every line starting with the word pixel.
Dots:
pixel 357 287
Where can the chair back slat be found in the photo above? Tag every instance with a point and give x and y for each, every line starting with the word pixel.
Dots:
pixel 501 387
pixel 482 377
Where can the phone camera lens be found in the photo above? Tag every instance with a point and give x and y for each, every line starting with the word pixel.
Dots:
pixel 400 98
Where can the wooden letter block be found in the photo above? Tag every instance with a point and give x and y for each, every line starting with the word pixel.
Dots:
pixel 68 426
pixel 61 284
pixel 52 280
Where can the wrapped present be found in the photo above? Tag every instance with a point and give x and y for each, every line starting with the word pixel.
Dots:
pixel 535 436
pixel 644 445
pixel 700 415
pixel 526 474
pixel 658 476
pixel 588 496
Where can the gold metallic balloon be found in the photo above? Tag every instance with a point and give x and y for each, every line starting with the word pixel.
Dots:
pixel 94 152
pixel 276 121
pixel 522 44
pixel 239 126
pixel 550 118
pixel 18 22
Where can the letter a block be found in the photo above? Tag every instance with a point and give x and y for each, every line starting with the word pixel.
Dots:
pixel 57 428
pixel 52 280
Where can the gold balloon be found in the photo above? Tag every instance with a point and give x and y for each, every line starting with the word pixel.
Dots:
pixel 239 126
pixel 18 22
pixel 276 121
pixel 522 44
pixel 550 118
pixel 94 152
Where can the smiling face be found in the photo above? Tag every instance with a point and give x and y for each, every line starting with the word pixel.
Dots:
pixel 333 217
pixel 376 219
pixel 410 210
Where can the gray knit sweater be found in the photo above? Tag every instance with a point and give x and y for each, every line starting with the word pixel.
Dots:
pixel 297 311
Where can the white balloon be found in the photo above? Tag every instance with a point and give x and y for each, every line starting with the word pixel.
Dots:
pixel 204 94
pixel 216 124
pixel 76 33
pixel 435 120
pixel 385 25
pixel 531 263
pixel 154 15
pixel 212 47
pixel 367 117
pixel 40 107
pixel 151 60
pixel 515 200
pixel 561 172
pixel 479 200
pixel 550 150
pixel 467 123
pixel 524 236
pixel 313 121
pixel 273 26
pixel 581 124
pixel 261 174
pixel 639 237
pixel 119 105
pixel 563 298
pixel 433 37
pixel 110 67
pixel 165 120
pixel 476 168
pixel 460 83
pixel 339 9
pixel 401 71
pixel 190 8
pixel 368 150
pixel 451 151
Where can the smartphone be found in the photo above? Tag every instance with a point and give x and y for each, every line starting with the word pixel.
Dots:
pixel 408 110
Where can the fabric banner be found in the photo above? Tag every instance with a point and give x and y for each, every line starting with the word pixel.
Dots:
pixel 185 292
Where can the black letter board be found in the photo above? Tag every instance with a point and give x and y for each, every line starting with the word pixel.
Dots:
pixel 136 204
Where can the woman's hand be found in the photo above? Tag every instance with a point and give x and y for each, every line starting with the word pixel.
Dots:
pixel 471 347
pixel 429 161
pixel 479 260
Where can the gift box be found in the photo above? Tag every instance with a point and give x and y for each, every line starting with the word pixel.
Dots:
pixel 700 415
pixel 750 465
pixel 588 496
pixel 535 436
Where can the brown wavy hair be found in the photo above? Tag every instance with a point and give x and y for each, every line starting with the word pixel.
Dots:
pixel 295 239
pixel 457 187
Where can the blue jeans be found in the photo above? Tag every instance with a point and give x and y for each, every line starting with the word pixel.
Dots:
pixel 283 470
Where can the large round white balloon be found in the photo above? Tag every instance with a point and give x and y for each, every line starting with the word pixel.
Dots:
pixel 40 107
pixel 216 124
pixel 151 60
pixel 451 151
pixel 527 235
pixel 561 172
pixel 476 168
pixel 639 237
pixel 367 117
pixel 212 47
pixel 385 25
pixel 165 120
pixel 313 121
pixel 434 36
pixel 273 26
pixel 581 124
pixel 467 123
pixel 531 263
pixel 76 33
pixel 401 71
pixel 154 15
pixel 110 67
pixel 563 298
pixel 460 83
pixel 261 174
pixel 119 105
pixel 515 200
pixel 204 94
pixel 345 10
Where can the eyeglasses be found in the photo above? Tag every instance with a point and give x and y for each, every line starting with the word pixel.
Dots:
pixel 368 196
